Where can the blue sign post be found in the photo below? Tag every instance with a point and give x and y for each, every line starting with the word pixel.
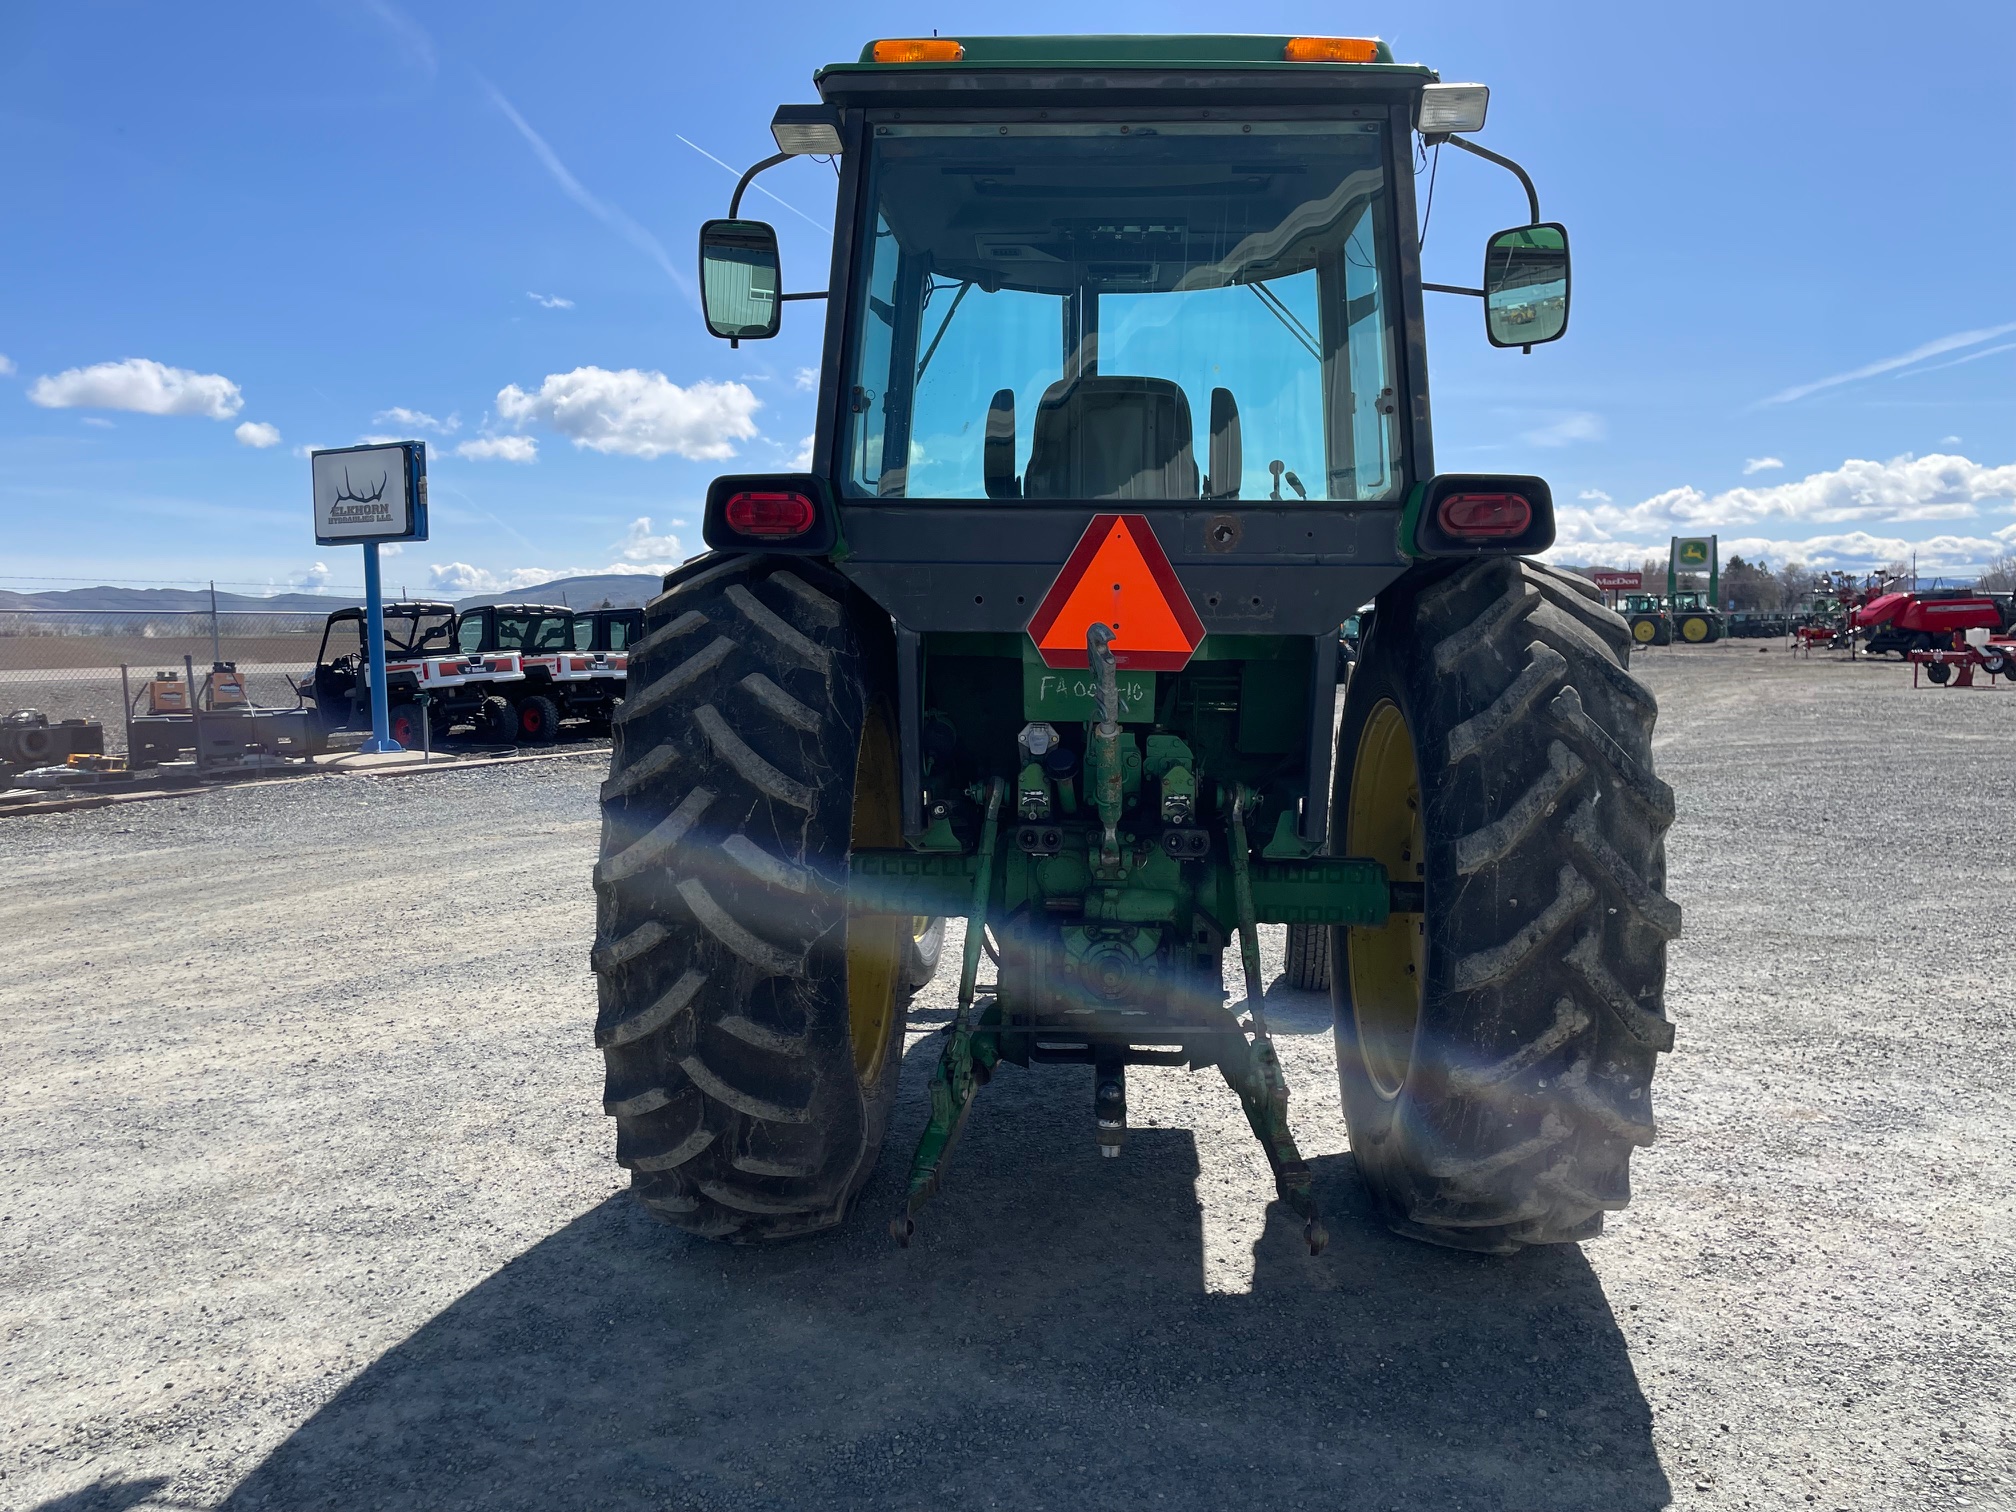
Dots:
pixel 365 495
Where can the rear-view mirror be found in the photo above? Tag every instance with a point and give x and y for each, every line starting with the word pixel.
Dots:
pixel 1526 285
pixel 739 279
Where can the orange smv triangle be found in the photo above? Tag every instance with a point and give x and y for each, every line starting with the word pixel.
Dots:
pixel 1119 574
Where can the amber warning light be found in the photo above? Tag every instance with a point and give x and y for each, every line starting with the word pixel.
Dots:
pixel 919 50
pixel 1332 50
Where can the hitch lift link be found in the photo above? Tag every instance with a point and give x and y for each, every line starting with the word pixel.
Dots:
pixel 963 1068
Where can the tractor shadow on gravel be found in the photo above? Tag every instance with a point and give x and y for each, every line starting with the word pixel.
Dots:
pixel 1046 1342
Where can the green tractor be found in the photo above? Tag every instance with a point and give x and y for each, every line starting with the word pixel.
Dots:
pixel 1646 618
pixel 1123 410
pixel 1695 619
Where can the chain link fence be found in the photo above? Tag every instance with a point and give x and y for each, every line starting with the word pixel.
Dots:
pixel 65 664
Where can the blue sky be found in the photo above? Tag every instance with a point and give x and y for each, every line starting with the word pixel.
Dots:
pixel 238 231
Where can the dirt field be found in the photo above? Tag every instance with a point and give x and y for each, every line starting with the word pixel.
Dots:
pixel 20 653
pixel 306 1199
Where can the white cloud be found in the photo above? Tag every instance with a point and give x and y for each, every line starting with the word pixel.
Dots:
pixel 640 545
pixel 460 578
pixel 1595 495
pixel 805 380
pixel 549 301
pixel 137 384
pixel 7 368
pixel 1859 493
pixel 1564 430
pixel 1949 440
pixel 500 449
pixel 801 460
pixel 637 414
pixel 100 422
pixel 257 433
pixel 1761 464
pixel 391 548
pixel 312 579
pixel 414 419
pixel 376 440
pixel 1918 353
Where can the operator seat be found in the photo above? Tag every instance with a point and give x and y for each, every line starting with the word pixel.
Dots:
pixel 1111 436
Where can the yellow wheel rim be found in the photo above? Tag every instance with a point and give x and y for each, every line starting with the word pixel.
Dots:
pixel 876 943
pixel 1383 822
pixel 1694 629
pixel 1643 631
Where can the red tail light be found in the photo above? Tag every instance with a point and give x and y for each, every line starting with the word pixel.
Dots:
pixel 1484 516
pixel 775 515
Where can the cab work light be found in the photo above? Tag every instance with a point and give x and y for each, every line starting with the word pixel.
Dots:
pixel 807 130
pixel 1449 108
pixel 1484 516
pixel 1332 50
pixel 919 50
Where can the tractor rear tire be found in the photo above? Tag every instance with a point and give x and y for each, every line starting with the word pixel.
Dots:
pixel 1495 1052
pixel 927 949
pixel 752 1026
pixel 538 720
pixel 1307 958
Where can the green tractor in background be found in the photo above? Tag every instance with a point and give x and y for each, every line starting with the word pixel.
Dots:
pixel 1123 410
pixel 1646 618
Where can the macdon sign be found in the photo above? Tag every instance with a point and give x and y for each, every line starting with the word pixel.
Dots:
pixel 1614 582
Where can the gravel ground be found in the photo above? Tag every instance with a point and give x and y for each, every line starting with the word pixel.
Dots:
pixel 306 1199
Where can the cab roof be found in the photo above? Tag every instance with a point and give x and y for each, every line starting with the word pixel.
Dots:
pixel 1228 64
pixel 1116 50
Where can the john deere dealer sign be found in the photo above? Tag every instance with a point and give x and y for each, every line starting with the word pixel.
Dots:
pixel 370 493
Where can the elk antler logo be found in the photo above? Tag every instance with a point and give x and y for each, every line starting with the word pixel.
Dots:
pixel 349 496
pixel 361 504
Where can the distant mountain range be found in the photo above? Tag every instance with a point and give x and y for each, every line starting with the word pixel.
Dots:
pixel 620 590
pixel 166 600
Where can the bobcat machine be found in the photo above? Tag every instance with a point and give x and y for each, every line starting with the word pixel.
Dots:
pixel 421 662
pixel 1123 410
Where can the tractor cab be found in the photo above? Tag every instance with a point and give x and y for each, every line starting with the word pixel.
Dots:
pixel 1695 619
pixel 1122 413
pixel 1645 614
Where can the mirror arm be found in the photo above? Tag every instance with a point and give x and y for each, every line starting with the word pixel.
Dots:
pixel 1453 289
pixel 735 204
pixel 1532 194
pixel 813 294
